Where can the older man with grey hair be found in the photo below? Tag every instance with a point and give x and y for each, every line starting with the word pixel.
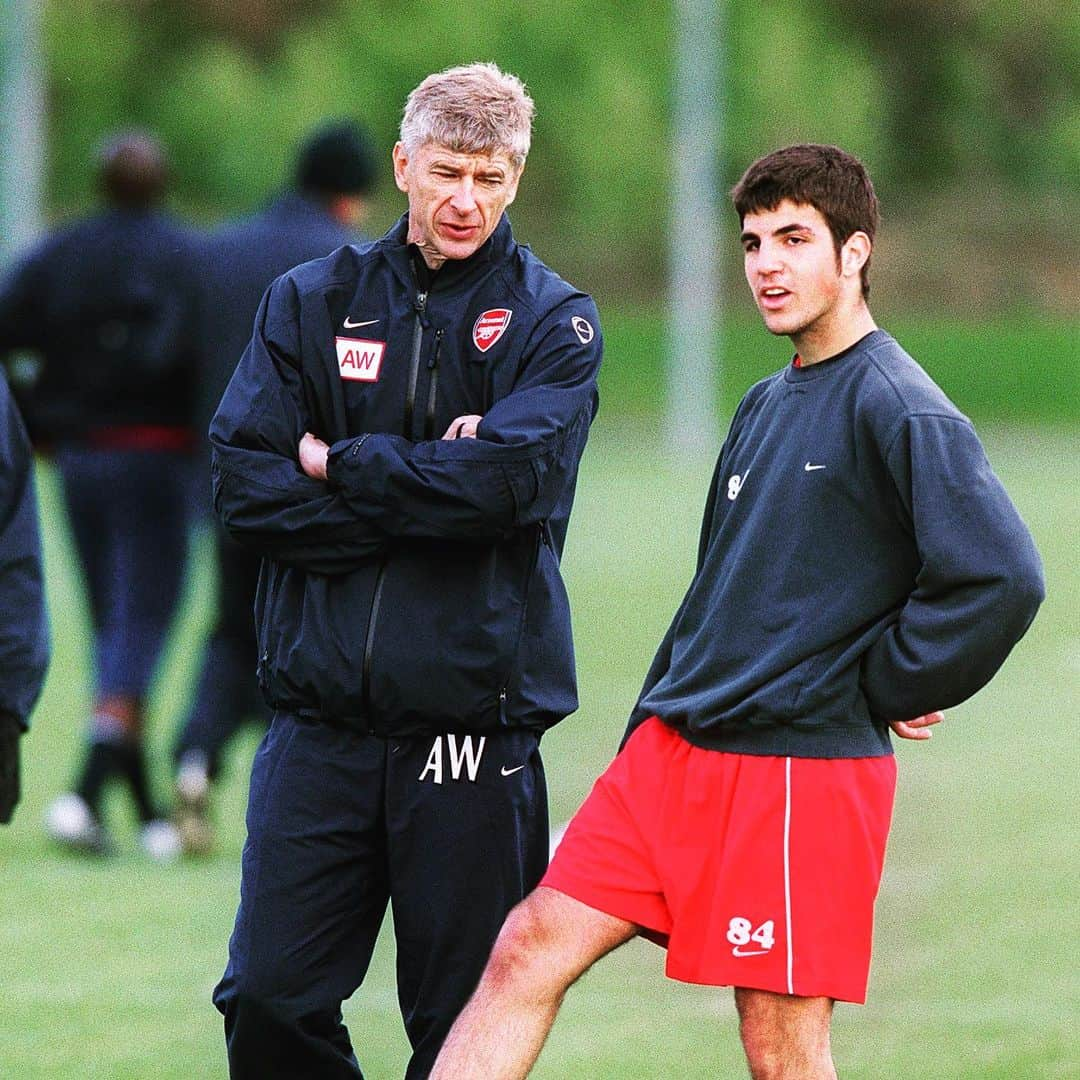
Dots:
pixel 400 442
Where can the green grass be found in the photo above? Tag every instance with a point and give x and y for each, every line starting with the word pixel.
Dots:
pixel 107 967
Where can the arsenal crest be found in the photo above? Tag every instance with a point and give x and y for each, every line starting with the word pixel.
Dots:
pixel 490 327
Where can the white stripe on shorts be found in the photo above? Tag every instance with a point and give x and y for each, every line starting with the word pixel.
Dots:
pixel 787 871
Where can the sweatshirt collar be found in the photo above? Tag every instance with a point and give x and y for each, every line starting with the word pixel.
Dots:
pixel 824 368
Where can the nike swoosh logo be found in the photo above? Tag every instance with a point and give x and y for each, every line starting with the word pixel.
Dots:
pixel 510 772
pixel 748 952
pixel 350 325
pixel 811 468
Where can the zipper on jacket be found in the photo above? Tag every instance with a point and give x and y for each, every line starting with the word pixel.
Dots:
pixel 504 690
pixel 420 304
pixel 433 386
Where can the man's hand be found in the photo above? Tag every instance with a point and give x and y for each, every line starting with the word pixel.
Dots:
pixel 313 454
pixel 10 732
pixel 919 728
pixel 464 427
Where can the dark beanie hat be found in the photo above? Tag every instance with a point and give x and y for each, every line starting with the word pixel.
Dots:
pixel 336 158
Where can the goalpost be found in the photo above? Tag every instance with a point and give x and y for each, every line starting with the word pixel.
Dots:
pixel 22 126
pixel 693 361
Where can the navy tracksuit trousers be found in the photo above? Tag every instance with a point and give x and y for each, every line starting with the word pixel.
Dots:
pixel 128 511
pixel 451 830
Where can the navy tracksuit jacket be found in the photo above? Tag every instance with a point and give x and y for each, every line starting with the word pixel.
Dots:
pixel 414 630
pixel 24 633
pixel 420 587
pixel 108 302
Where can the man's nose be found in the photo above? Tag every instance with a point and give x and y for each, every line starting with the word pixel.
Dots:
pixel 770 259
pixel 463 200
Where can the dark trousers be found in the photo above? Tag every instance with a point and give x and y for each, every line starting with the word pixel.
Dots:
pixel 451 833
pixel 129 518
pixel 227 694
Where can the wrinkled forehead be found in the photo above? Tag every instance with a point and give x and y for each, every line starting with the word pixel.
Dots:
pixel 465 155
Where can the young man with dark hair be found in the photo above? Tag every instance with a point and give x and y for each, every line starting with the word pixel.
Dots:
pixel 860 567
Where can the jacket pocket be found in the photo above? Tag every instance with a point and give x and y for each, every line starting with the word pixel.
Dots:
pixel 526 589
pixel 311 635
pixel 450 623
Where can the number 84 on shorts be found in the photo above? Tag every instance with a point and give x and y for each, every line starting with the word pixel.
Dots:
pixel 748 940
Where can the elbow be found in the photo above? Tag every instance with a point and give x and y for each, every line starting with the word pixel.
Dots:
pixel 1010 609
pixel 227 513
pixel 233 525
pixel 1025 592
pixel 228 502
pixel 1034 593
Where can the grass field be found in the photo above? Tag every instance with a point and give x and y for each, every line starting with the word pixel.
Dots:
pixel 107 967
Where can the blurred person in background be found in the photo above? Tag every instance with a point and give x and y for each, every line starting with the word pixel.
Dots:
pixel 401 442
pixel 108 304
pixel 860 567
pixel 323 209
pixel 24 632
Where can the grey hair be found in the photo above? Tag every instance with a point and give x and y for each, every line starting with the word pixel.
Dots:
pixel 471 109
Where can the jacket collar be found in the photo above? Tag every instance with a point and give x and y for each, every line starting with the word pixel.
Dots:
pixel 399 253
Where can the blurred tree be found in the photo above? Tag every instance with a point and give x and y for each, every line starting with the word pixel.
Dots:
pixel 970 85
pixel 256 25
pixel 914 44
pixel 976 98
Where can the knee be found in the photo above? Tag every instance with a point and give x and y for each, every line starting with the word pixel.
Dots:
pixel 240 999
pixel 249 994
pixel 268 1035
pixel 520 944
pixel 784 1039
pixel 762 1049
pixel 525 954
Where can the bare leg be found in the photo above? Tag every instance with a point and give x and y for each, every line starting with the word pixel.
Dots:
pixel 785 1037
pixel 548 941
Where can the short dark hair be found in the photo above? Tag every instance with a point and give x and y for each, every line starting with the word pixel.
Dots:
pixel 133 170
pixel 336 159
pixel 827 178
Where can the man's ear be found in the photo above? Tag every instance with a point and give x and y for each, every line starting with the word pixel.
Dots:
pixel 514 186
pixel 401 162
pixel 854 253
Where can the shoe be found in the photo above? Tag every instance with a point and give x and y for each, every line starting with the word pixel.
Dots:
pixel 193 806
pixel 160 839
pixel 72 824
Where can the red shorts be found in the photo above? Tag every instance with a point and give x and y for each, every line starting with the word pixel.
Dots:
pixel 754 871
